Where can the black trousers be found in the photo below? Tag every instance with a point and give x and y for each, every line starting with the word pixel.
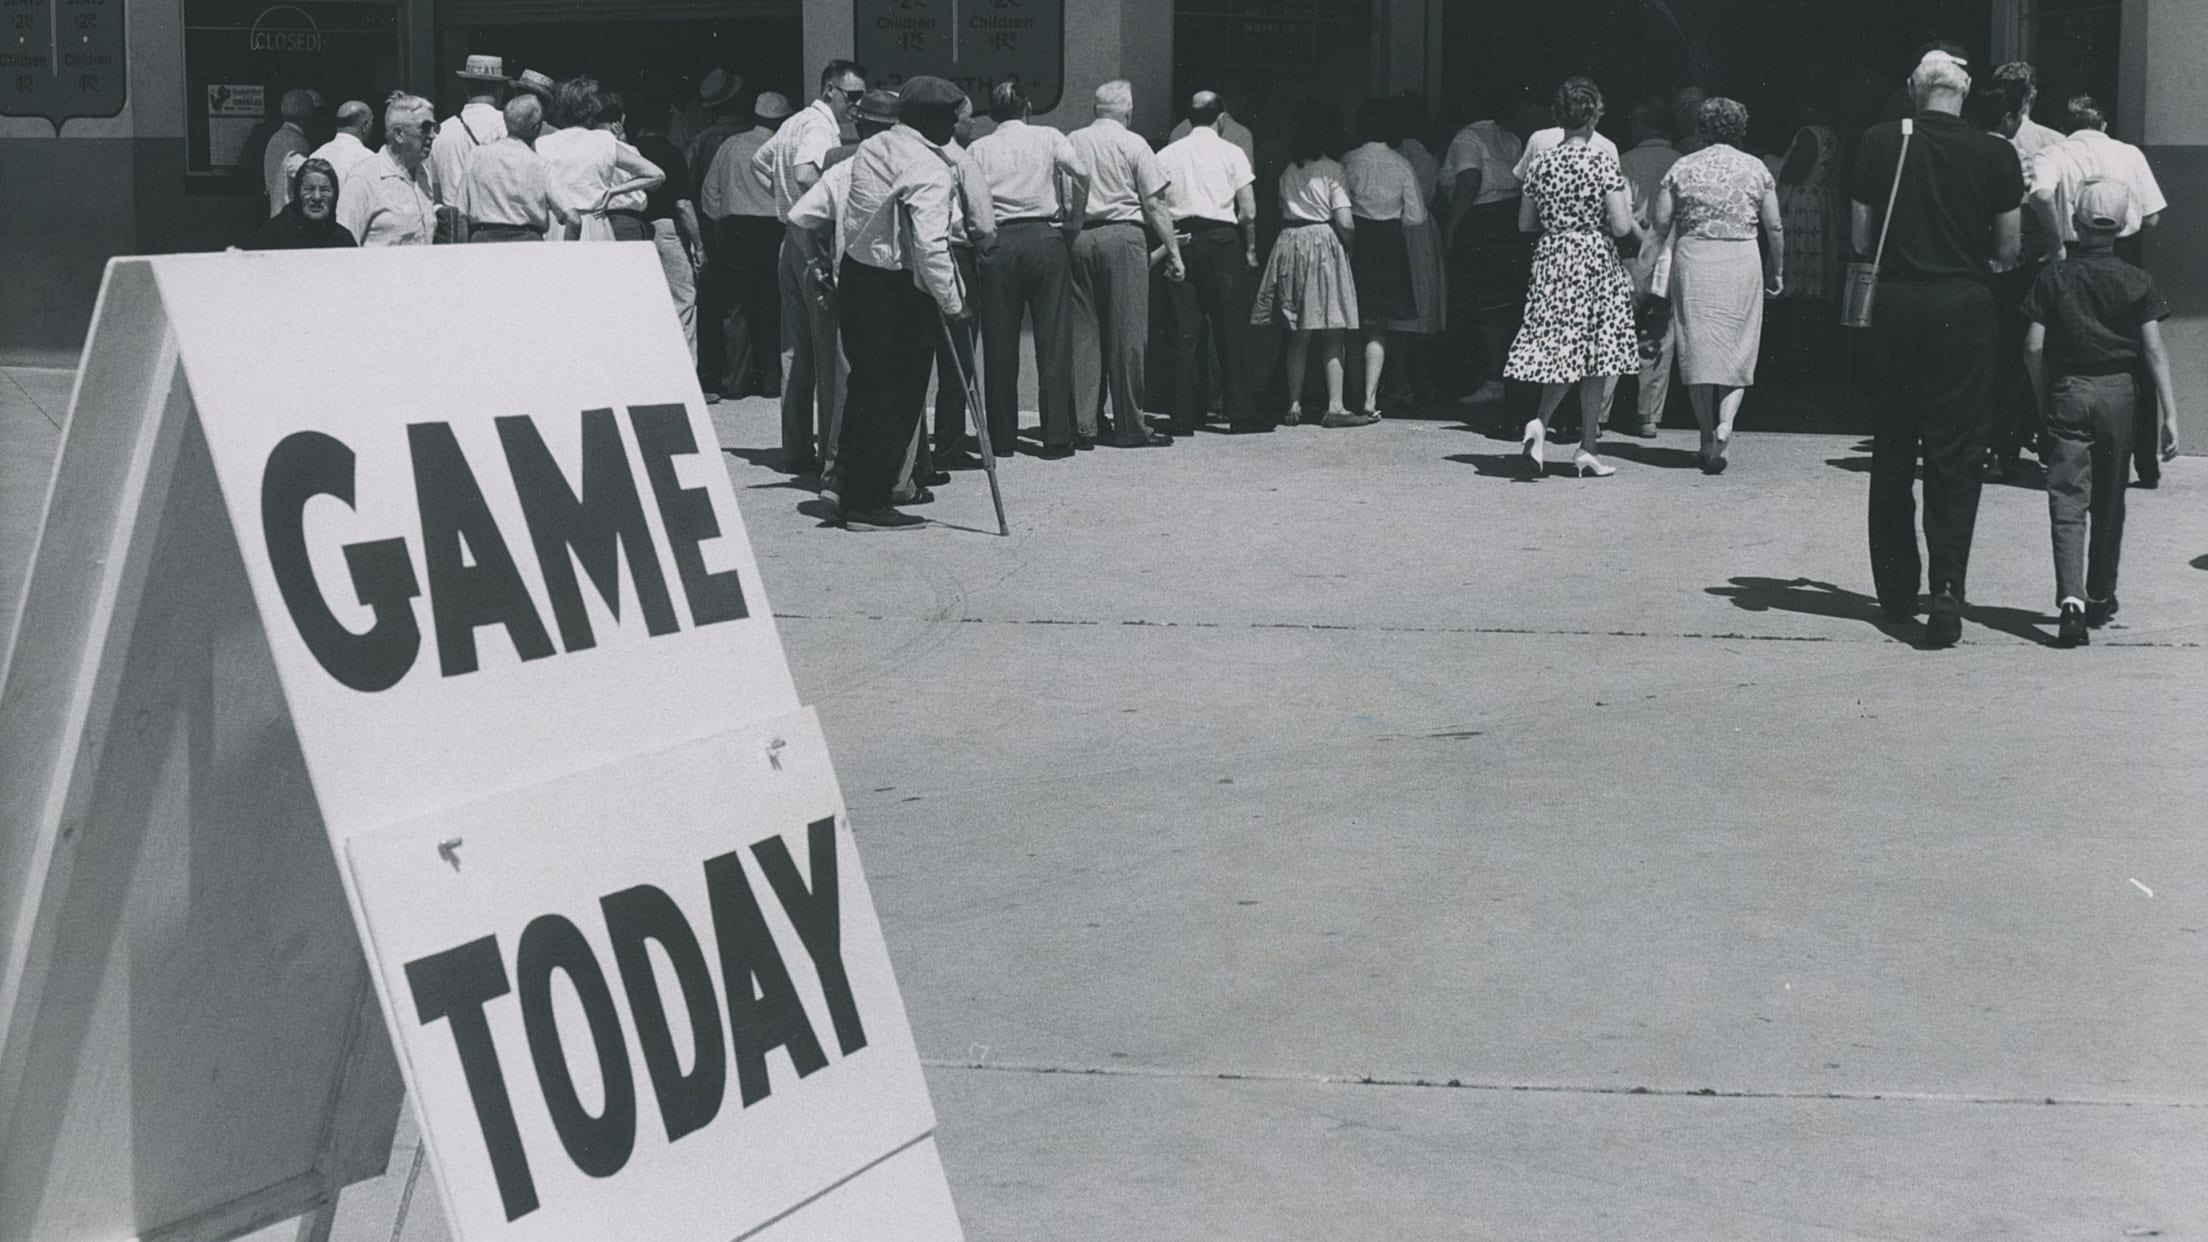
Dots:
pixel 747 304
pixel 1214 294
pixel 2015 420
pixel 889 331
pixel 1933 353
pixel 1031 270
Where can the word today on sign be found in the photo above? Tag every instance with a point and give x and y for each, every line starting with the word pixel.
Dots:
pixel 674 1021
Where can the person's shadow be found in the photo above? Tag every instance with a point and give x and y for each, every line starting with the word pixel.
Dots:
pixel 1824 599
pixel 1497 466
pixel 1653 455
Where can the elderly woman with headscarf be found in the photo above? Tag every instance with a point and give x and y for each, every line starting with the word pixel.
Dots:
pixel 1712 203
pixel 309 220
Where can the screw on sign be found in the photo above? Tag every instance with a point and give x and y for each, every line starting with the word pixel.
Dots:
pixel 57 77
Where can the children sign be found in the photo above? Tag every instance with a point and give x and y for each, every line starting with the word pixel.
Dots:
pixel 513 643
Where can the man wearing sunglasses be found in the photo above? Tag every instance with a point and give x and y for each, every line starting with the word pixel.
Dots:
pixel 789 164
pixel 386 199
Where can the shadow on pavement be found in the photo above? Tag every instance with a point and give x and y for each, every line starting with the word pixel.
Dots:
pixel 1652 455
pixel 2200 562
pixel 1824 599
pixel 1494 465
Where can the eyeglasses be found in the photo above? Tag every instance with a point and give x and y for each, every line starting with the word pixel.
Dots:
pixel 427 129
pixel 852 97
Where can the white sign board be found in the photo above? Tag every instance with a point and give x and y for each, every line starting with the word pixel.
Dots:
pixel 671 1018
pixel 482 508
pixel 505 621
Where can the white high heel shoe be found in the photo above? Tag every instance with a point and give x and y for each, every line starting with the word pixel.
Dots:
pixel 1587 463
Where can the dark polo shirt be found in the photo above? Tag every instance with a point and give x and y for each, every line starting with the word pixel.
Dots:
pixel 1958 180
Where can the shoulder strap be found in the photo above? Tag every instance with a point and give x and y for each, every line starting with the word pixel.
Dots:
pixel 1908 127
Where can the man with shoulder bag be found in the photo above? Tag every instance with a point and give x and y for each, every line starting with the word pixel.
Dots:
pixel 1950 220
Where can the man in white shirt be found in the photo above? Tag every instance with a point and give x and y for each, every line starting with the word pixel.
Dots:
pixel 503 195
pixel 896 285
pixel 479 123
pixel 1230 129
pixel 300 110
pixel 1645 164
pixel 742 254
pixel 818 221
pixel 1208 191
pixel 2089 153
pixel 789 164
pixel 1111 267
pixel 1037 184
pixel 2030 137
pixel 386 200
pixel 349 145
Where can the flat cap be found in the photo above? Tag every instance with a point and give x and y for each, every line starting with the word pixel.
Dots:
pixel 879 106
pixel 929 92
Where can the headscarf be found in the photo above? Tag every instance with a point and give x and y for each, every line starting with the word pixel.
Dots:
pixel 290 229
pixel 314 232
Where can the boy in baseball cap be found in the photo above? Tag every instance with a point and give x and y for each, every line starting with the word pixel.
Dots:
pixel 2093 349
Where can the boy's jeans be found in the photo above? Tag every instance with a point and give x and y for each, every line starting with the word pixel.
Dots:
pixel 2089 435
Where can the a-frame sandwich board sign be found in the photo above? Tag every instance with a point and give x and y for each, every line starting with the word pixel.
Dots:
pixel 431 550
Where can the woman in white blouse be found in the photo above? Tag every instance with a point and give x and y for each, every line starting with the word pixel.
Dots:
pixel 1307 287
pixel 1384 199
pixel 587 166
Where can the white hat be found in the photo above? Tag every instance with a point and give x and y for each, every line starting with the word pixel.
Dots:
pixel 770 106
pixel 484 69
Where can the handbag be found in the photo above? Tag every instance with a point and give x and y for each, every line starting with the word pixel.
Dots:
pixel 1861 289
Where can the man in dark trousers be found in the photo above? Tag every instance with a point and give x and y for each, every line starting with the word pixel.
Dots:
pixel 1956 221
pixel 894 285
pixel 1037 183
pixel 1208 190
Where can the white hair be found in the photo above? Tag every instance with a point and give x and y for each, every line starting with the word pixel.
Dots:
pixel 1938 74
pixel 402 105
pixel 1115 97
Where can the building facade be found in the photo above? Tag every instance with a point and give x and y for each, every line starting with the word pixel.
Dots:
pixel 133 141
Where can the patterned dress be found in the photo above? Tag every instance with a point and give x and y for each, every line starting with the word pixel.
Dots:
pixel 1816 222
pixel 1579 311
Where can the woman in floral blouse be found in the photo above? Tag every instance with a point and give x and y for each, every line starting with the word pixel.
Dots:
pixel 1712 202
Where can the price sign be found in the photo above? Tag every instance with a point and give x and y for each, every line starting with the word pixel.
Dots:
pixel 61 59
pixel 973 43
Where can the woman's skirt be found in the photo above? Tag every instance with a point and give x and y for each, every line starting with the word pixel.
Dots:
pixel 1307 283
pixel 1491 260
pixel 1380 262
pixel 1423 241
pixel 1579 318
pixel 1816 242
pixel 1717 310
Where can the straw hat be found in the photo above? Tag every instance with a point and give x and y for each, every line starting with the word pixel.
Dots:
pixel 537 84
pixel 719 87
pixel 771 106
pixel 484 69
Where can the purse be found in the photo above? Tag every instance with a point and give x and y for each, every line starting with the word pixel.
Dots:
pixel 1861 290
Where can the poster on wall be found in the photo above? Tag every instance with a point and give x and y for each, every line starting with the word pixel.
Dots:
pixel 62 60
pixel 242 56
pixel 974 43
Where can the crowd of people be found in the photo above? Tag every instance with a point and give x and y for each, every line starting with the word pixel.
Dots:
pixel 833 255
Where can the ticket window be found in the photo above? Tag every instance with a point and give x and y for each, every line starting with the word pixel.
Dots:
pixel 241 56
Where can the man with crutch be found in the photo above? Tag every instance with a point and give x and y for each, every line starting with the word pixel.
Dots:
pixel 891 288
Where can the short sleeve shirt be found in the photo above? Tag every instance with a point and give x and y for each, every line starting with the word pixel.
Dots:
pixel 1569 184
pixel 1717 193
pixel 1313 192
pixel 804 140
pixel 1123 170
pixel 2093 305
pixel 1202 173
pixel 1382 185
pixel 1958 180
pixel 1493 150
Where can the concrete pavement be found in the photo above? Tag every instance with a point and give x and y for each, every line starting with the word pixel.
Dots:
pixel 1321 835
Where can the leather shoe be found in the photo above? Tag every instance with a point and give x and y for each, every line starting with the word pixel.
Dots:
pixel 1156 439
pixel 1248 429
pixel 936 479
pixel 1945 626
pixel 1054 452
pixel 1083 444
